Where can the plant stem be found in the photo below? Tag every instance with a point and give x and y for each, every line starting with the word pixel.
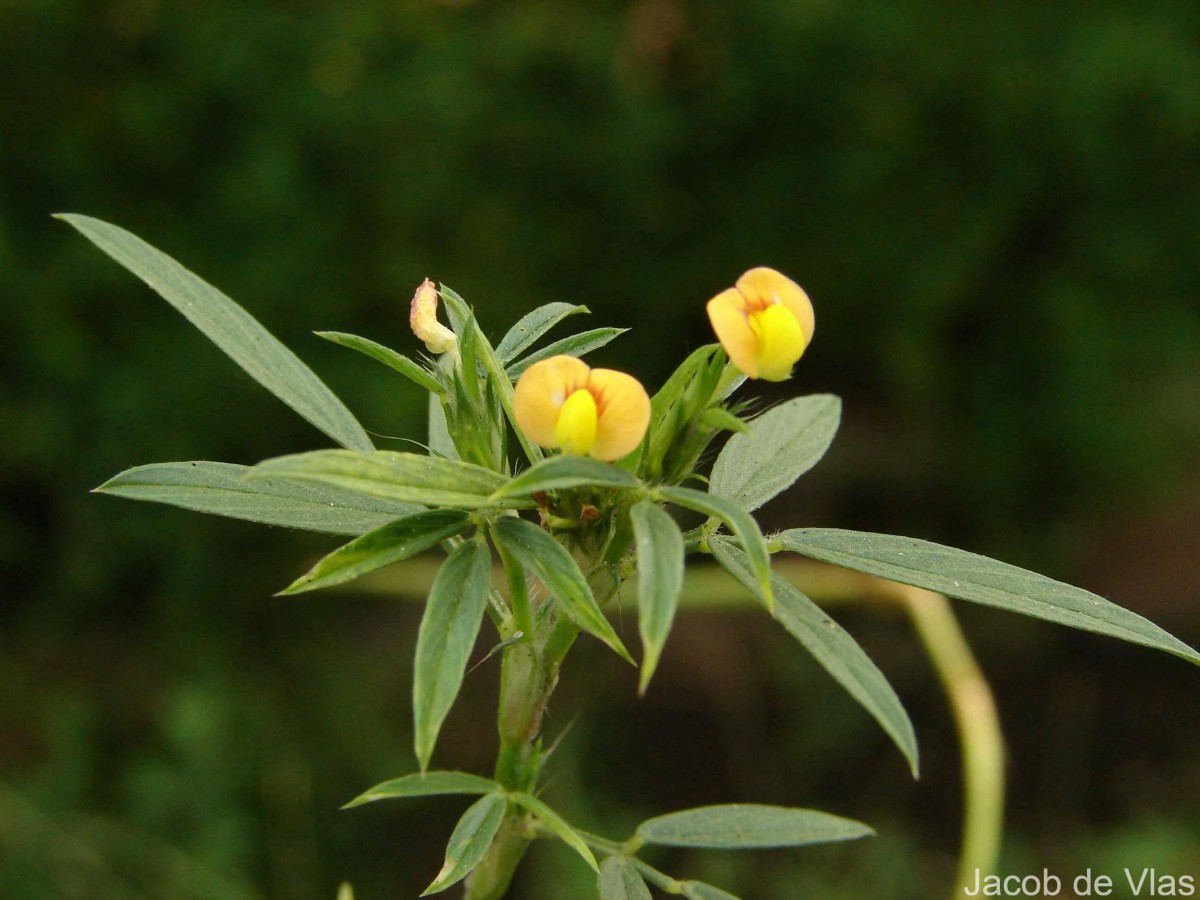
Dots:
pixel 978 731
pixel 528 676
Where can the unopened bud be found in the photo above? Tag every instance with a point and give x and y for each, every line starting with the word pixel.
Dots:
pixel 423 320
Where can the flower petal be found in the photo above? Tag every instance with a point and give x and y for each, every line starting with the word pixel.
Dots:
pixel 624 408
pixel 765 287
pixel 780 342
pixel 726 312
pixel 422 319
pixel 541 392
pixel 577 422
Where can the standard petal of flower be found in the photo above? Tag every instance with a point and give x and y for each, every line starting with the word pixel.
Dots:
pixel 764 287
pixel 624 417
pixel 541 392
pixel 726 312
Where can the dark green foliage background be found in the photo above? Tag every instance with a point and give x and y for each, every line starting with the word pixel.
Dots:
pixel 995 209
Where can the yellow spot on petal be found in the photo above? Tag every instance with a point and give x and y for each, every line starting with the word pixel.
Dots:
pixel 780 342
pixel 576 426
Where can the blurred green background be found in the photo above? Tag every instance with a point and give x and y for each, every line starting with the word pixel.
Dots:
pixel 995 209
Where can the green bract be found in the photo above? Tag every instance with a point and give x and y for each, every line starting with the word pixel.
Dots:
pixel 568 533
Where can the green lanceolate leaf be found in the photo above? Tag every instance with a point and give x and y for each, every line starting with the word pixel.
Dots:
pixel 440 442
pixel 387 475
pixel 548 560
pixel 429 784
pixel 560 472
pixel 411 370
pixel 698 890
pixel 557 824
pixel 719 418
pixel 576 345
pixel 231 328
pixel 783 444
pixel 831 646
pixel 471 837
pixel 686 393
pixel 532 326
pixel 968 576
pixel 391 543
pixel 466 326
pixel 620 880
pixel 740 522
pixel 659 545
pixel 448 630
pixel 743 826
pixel 218 488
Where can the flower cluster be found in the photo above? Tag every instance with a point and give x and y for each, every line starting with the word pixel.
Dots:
pixel 764 323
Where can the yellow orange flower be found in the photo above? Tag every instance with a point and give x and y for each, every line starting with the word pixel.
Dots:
pixel 764 323
pixel 561 402
pixel 422 318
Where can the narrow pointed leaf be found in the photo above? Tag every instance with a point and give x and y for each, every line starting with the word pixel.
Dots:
pixel 532 326
pixel 660 553
pixel 447 634
pixel 721 419
pixel 620 880
pixel 387 475
pixel 698 890
pixel 831 646
pixel 969 576
pixel 429 784
pixel 560 472
pixel 549 561
pixel 741 523
pixel 386 545
pixel 741 826
pixel 231 328
pixel 576 345
pixel 218 488
pixel 398 362
pixel 471 837
pixel 440 442
pixel 468 330
pixel 781 445
pixel 557 824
